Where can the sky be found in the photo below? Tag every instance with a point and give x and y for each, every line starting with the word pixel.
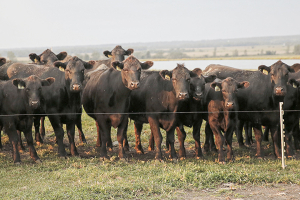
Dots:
pixel 39 23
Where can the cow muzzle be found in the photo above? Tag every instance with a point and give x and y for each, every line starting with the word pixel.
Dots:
pixel 76 87
pixel 279 91
pixel 134 85
pixel 198 96
pixel 35 104
pixel 183 95
pixel 229 105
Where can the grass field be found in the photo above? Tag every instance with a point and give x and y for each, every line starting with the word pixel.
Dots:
pixel 141 177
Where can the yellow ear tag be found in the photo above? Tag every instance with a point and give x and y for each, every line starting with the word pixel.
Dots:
pixel 265 72
pixel 61 69
pixel 109 56
pixel 294 85
pixel 35 60
pixel 21 87
pixel 217 89
pixel 167 77
pixel 118 68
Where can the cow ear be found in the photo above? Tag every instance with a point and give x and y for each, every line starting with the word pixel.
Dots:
pixel 291 69
pixel 2 61
pixel 216 86
pixel 118 65
pixel 62 55
pixel 35 58
pixel 166 74
pixel 147 64
pixel 19 83
pixel 48 81
pixel 209 78
pixel 87 65
pixel 294 83
pixel 60 65
pixel 129 52
pixel 243 84
pixel 107 54
pixel 264 69
pixel 197 71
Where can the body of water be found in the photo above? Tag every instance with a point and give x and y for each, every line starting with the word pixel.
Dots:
pixel 202 64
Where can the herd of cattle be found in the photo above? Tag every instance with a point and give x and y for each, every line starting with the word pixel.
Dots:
pixel 113 90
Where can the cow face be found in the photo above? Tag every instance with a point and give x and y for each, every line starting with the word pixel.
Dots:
pixel 229 88
pixel 180 77
pixel 131 71
pixel 47 57
pixel 278 73
pixel 2 61
pixel 197 84
pixel 74 72
pixel 32 86
pixel 118 53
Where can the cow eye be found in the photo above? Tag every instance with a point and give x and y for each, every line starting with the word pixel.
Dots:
pixel 27 89
pixel 188 80
pixel 82 71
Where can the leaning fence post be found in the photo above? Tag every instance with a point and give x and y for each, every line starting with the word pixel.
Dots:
pixel 282 135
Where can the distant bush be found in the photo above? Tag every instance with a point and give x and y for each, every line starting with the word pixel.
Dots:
pixel 297 49
pixel 177 55
pixel 11 56
pixel 270 52
pixel 235 53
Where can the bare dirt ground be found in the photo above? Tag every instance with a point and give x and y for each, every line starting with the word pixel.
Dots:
pixel 231 191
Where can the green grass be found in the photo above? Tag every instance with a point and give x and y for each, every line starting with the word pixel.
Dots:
pixel 141 177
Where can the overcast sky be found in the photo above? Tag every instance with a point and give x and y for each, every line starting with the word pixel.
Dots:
pixel 30 23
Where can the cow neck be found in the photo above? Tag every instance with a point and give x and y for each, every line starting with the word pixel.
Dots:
pixel 121 90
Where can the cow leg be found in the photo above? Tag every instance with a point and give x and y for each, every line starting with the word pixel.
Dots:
pixel 258 138
pixel 125 142
pixel 219 139
pixel 288 139
pixel 296 136
pixel 29 139
pixel 196 136
pixel 208 134
pixel 59 134
pixel 79 127
pixel 71 136
pixel 276 140
pixel 20 143
pixel 246 127
pixel 0 137
pixel 181 137
pixel 137 130
pixel 228 138
pixel 266 134
pixel 151 142
pixel 154 126
pixel 171 140
pixel 42 129
pixel 38 138
pixel 104 129
pixel 239 132
pixel 120 136
pixel 98 143
pixel 11 131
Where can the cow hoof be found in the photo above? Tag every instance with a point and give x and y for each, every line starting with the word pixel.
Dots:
pixel 109 149
pixel 124 160
pixel 38 143
pixel 38 161
pixel 104 158
pixel 182 158
pixel 139 151
pixel 126 148
pixel 222 163
pixel 150 149
pixel 291 157
pixel 174 160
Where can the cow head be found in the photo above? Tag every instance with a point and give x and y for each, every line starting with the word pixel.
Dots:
pixel 180 77
pixel 197 84
pixel 74 72
pixel 118 53
pixel 32 86
pixel 47 57
pixel 2 61
pixel 131 71
pixel 229 88
pixel 278 73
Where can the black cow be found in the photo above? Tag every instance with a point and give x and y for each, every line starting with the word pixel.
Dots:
pixel 187 113
pixel 19 100
pixel 117 54
pixel 3 68
pixel 108 92
pixel 158 99
pixel 48 57
pixel 221 103
pixel 64 96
